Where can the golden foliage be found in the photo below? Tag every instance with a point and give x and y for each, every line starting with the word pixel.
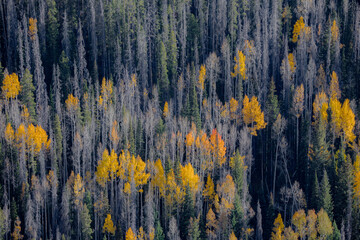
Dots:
pixel 9 133
pixel 109 225
pixel 72 103
pixel 298 101
pixel 252 114
pixel 211 224
pixel 107 167
pixel 234 105
pixel 106 92
pixel 114 136
pixel 240 65
pixel 37 138
pixel 159 179
pixel 79 189
pixel 342 119
pixel 173 190
pixel 334 31
pixel 189 177
pixel 299 221
pixel 16 235
pixel 334 86
pixel 320 107
pixel 166 110
pixel 32 28
pixel 300 29
pixel 11 86
pixel 292 62
pixel 226 192
pixel 217 147
pixel 189 140
pixel 202 76
pixel 209 190
pixel 232 236
pixel 311 219
pixel 130 235
pixel 278 228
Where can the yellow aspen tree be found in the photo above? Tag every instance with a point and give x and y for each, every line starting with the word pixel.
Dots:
pixel 32 28
pixel 335 91
pixel 278 228
pixel 9 133
pixel 299 221
pixel 16 235
pixel 106 92
pixel 37 138
pixel 234 105
pixel 240 65
pixel 152 234
pixel 252 114
pixel 20 135
pixel 72 103
pixel 166 110
pixel 130 235
pixel 300 29
pixel 204 145
pixel 336 122
pixel 174 193
pixel 109 227
pixel 348 121
pixel 202 76
pixel 11 86
pixel 298 101
pixel 218 148
pixel 124 161
pixel 79 189
pixel 209 191
pixel 189 178
pixel 127 188
pixel 227 192
pixel 311 230
pixel 141 234
pixel 211 224
pixel 114 135
pixel 334 31
pixel 159 179
pixel 292 62
pixel 138 170
pixel 232 236
pixel 320 107
pixel 289 234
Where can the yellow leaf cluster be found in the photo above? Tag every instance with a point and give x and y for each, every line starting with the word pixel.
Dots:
pixel 202 76
pixel 298 101
pixel 166 110
pixel 299 221
pixel 72 103
pixel 278 228
pixel 35 137
pixel 299 29
pixel 218 148
pixel 227 192
pixel 320 107
pixel 334 86
pixel 343 119
pixel 234 105
pixel 189 140
pixel 189 178
pixel 292 62
pixel 334 31
pixel 130 235
pixel 109 225
pixel 11 86
pixel 252 114
pixel 173 190
pixel 240 65
pixel 79 189
pixel 16 235
pixel 107 167
pixel 159 179
pixel 209 191
pixel 106 91
pixel 211 224
pixel 114 136
pixel 356 186
pixel 9 133
pixel 32 28
pixel 232 236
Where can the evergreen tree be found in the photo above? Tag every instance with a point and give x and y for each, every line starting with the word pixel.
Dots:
pixel 315 195
pixel 187 212
pixel 325 195
pixel 27 93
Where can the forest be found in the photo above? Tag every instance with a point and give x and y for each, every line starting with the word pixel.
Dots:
pixel 180 119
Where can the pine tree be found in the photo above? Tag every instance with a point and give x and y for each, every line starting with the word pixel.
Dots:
pixel 27 94
pixel 325 195
pixel 86 229
pixel 187 212
pixel 315 194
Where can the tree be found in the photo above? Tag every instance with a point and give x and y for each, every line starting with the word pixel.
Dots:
pixel 324 225
pixel 300 29
pixel 211 224
pixel 27 93
pixel 130 235
pixel 278 228
pixel 209 191
pixel 299 221
pixel 85 217
pixel 218 148
pixel 252 114
pixel 32 28
pixel 163 80
pixel 109 227
pixel 189 178
pixel 240 65
pixel 17 230
pixel 11 86
pixel 232 236
pixel 325 195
